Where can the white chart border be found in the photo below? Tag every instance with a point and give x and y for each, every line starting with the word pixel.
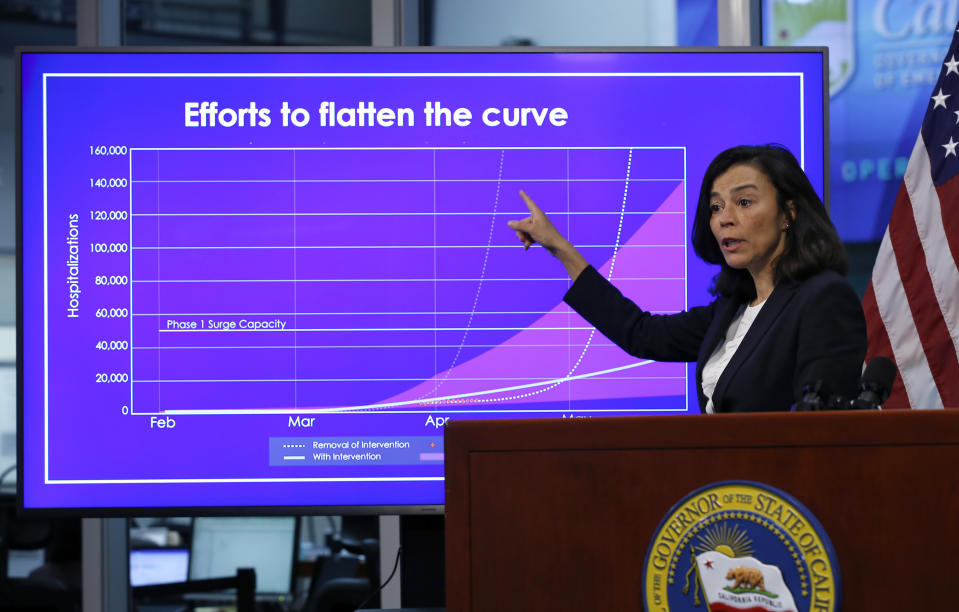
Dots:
pixel 46 314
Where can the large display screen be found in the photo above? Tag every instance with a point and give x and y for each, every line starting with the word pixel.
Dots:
pixel 267 279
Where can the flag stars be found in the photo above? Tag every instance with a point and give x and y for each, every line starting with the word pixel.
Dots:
pixel 940 99
pixel 950 147
pixel 952 66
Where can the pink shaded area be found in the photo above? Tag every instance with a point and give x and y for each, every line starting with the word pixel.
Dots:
pixel 676 201
pixel 513 361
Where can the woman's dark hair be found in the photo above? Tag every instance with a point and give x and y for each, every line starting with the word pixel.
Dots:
pixel 812 244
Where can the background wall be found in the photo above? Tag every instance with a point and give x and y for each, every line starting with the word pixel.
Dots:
pixel 554 22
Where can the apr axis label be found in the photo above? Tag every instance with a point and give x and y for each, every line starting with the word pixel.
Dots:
pixel 740 546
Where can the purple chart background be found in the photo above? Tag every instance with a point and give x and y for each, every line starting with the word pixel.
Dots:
pixel 387 292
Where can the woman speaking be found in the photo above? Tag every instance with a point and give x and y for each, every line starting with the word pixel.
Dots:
pixel 784 316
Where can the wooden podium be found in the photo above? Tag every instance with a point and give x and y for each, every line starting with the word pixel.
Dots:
pixel 558 514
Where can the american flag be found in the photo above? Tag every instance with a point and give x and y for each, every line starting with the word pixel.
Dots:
pixel 912 303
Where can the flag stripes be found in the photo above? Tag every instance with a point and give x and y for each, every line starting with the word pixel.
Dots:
pixel 879 345
pixel 912 303
pixel 895 322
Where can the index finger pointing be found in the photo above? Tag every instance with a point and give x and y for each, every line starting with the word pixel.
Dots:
pixel 530 204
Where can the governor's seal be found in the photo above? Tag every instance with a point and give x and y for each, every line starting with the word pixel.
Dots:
pixel 735 545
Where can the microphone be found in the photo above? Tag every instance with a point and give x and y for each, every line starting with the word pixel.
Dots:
pixel 815 396
pixel 875 385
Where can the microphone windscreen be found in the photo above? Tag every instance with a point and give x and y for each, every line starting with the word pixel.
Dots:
pixel 881 371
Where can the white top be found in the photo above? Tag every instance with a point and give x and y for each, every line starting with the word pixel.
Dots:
pixel 725 350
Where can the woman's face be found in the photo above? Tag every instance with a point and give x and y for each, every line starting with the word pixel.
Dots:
pixel 745 219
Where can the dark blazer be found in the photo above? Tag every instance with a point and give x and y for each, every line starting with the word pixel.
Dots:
pixel 808 331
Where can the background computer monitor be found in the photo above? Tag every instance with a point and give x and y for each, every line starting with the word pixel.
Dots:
pixel 158 565
pixel 221 545
pixel 265 280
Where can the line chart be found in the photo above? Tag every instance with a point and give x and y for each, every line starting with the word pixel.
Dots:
pixel 376 280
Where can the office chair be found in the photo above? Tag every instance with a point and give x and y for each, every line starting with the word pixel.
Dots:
pixel 341 583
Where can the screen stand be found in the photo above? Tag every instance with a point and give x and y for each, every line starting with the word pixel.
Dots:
pixel 106 571
pixel 389 545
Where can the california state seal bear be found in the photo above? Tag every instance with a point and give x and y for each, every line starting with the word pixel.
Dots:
pixel 751 578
